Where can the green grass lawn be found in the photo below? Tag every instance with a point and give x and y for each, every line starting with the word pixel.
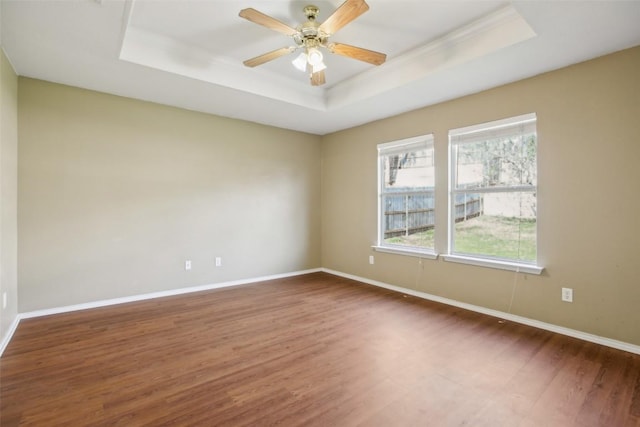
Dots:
pixel 423 239
pixel 500 237
pixel 496 236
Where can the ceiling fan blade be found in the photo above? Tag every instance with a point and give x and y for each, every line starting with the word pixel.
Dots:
pixel 347 12
pixel 366 55
pixel 269 56
pixel 260 18
pixel 317 78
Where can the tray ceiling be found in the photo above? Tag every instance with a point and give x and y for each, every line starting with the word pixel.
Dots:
pixel 189 53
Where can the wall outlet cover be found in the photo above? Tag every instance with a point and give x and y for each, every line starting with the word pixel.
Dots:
pixel 567 294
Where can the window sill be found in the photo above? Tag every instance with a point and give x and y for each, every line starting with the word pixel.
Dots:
pixel 409 252
pixel 503 265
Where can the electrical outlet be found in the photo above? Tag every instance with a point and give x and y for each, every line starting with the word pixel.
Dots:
pixel 4 300
pixel 567 294
pixel 371 260
pixel 187 265
pixel 218 261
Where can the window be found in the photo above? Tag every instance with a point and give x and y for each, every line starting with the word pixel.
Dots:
pixel 493 184
pixel 406 196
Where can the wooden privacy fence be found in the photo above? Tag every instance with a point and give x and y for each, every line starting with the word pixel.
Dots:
pixel 409 212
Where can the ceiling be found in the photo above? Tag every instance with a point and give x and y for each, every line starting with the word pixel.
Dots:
pixel 189 53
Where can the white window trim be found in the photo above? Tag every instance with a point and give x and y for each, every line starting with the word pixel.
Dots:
pixel 406 250
pixel 491 263
pixel 385 149
pixel 524 123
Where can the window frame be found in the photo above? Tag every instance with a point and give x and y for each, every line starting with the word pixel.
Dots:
pixel 401 146
pixel 500 128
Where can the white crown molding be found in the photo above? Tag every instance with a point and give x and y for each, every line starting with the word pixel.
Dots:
pixel 498 30
pixel 486 35
pixel 167 54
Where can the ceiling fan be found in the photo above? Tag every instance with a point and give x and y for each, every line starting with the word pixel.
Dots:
pixel 311 36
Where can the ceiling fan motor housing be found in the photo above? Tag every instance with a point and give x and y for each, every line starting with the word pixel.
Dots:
pixel 309 35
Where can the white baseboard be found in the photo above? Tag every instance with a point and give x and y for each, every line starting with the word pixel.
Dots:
pixel 133 298
pixel 620 345
pixel 160 294
pixel 9 334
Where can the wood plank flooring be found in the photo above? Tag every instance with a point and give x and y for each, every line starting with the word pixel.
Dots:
pixel 312 350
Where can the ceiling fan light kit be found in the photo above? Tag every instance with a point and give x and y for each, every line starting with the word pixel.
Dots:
pixel 314 56
pixel 318 67
pixel 300 62
pixel 311 36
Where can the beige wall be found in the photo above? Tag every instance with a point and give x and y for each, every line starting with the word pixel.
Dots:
pixel 8 193
pixel 115 194
pixel 588 204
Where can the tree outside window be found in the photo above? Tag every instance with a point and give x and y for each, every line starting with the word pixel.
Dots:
pixel 494 164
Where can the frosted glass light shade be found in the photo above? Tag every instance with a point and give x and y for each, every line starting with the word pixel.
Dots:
pixel 318 67
pixel 300 62
pixel 314 56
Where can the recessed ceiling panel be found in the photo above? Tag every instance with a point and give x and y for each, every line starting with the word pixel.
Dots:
pixel 208 41
pixel 189 53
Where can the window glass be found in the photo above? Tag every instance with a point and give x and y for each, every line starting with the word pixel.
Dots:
pixel 499 225
pixel 407 175
pixel 493 204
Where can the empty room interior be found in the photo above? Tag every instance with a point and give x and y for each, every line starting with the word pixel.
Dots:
pixel 331 213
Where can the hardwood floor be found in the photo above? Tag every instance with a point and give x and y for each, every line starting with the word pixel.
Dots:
pixel 313 350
